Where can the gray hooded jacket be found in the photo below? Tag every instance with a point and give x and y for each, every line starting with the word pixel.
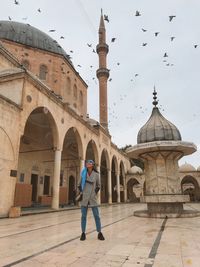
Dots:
pixel 89 191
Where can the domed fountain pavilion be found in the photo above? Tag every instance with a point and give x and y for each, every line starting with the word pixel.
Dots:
pixel 159 146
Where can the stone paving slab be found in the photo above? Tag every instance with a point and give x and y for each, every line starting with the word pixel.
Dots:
pixel 52 239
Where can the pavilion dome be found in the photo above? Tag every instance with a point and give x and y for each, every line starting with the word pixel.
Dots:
pixel 30 36
pixel 135 170
pixel 158 128
pixel 92 121
pixel 186 167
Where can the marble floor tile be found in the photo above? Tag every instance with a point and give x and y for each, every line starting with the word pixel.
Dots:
pixel 52 239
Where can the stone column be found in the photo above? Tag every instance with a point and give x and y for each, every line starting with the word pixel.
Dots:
pixel 56 179
pixel 125 191
pixel 99 193
pixel 118 188
pixel 82 165
pixel 109 187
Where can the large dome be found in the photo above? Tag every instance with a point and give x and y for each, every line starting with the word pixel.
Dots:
pixel 157 128
pixel 30 36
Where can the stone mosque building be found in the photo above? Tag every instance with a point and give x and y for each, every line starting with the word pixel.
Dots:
pixel 45 132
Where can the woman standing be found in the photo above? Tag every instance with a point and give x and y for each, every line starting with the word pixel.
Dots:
pixel 89 185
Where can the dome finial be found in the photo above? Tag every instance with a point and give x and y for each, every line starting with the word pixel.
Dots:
pixel 155 102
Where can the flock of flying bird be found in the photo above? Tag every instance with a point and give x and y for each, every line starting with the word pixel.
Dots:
pixel 113 107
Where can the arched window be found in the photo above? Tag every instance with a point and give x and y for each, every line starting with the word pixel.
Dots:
pixel 75 91
pixel 68 86
pixel 26 64
pixel 43 72
pixel 81 98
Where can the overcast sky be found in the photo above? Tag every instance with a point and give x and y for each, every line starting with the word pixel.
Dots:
pixel 177 80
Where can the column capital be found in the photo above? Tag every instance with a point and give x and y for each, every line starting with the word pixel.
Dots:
pixel 57 149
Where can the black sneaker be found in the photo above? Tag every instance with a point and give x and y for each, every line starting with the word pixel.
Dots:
pixel 83 237
pixel 100 236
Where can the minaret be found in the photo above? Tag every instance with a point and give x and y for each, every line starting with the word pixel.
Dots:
pixel 102 74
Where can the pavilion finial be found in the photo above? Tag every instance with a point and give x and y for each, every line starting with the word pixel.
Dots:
pixel 155 101
pixel 101 12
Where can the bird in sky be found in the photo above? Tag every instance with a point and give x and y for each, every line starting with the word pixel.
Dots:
pixel 165 55
pixel 52 30
pixel 113 39
pixel 89 45
pixel 144 30
pixel 71 51
pixel 79 66
pixel 106 18
pixel 137 13
pixel 195 46
pixel 172 38
pixel 156 33
pixel 144 44
pixel 171 17
pixel 16 2
pixel 62 37
pixel 39 10
pixel 9 18
pixel 118 63
pixel 136 74
pixel 93 51
pixel 110 80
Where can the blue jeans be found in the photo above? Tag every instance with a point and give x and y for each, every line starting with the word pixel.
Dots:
pixel 95 212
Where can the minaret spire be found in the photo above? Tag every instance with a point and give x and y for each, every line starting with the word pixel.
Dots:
pixel 102 73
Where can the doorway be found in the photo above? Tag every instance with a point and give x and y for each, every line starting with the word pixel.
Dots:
pixel 46 185
pixel 34 183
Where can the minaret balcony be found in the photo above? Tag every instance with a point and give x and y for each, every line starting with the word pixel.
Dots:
pixel 102 47
pixel 102 72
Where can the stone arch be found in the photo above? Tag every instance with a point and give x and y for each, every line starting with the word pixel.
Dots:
pixel 52 121
pixel 7 150
pixel 190 186
pixel 37 144
pixel 7 164
pixel 72 154
pixel 114 173
pixel 74 131
pixel 92 152
pixel 104 151
pixel 104 169
pixel 122 181
pixel 131 194
pixel 114 160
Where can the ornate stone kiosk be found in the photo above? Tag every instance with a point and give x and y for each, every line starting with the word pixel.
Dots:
pixel 160 147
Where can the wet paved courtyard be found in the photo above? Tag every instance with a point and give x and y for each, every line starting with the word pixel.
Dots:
pixel 52 239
